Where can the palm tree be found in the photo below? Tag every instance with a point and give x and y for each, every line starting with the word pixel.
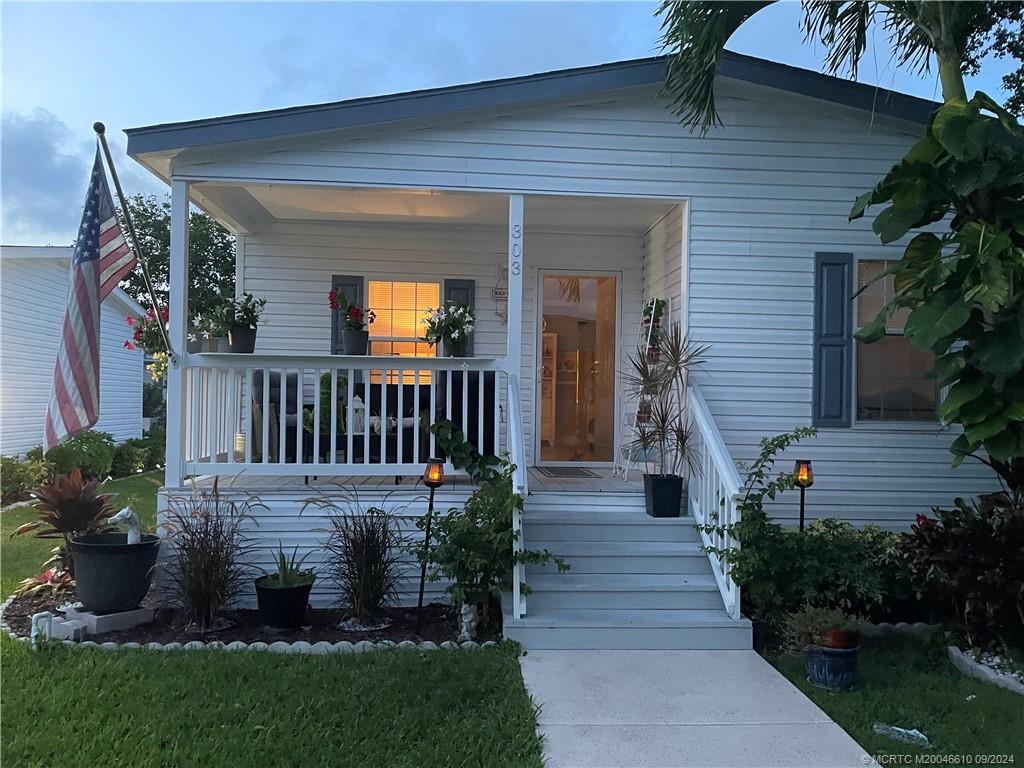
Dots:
pixel 957 33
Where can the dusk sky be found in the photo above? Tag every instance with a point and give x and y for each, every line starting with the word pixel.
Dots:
pixel 65 66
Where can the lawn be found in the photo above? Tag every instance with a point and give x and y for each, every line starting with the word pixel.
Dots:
pixel 83 707
pixel 910 683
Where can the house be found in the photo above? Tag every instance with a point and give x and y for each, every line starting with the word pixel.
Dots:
pixel 33 295
pixel 557 204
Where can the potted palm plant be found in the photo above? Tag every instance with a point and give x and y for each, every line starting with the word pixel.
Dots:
pixel 245 317
pixel 663 436
pixel 355 319
pixel 282 596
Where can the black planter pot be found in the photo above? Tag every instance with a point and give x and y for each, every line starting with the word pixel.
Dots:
pixel 355 341
pixel 242 340
pixel 111 574
pixel 831 668
pixel 456 348
pixel 282 607
pixel 663 495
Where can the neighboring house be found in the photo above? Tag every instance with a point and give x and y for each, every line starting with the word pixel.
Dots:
pixel 556 205
pixel 33 295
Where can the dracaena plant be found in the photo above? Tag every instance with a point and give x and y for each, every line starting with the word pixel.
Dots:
pixel 69 507
pixel 659 384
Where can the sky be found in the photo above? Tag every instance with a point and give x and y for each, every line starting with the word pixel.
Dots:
pixel 64 66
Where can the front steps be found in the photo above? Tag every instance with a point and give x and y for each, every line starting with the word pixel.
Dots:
pixel 636 582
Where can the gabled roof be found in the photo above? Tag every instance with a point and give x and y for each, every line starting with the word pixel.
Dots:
pixel 513 91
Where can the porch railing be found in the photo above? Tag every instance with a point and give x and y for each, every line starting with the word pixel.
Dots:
pixel 714 495
pixel 517 455
pixel 332 414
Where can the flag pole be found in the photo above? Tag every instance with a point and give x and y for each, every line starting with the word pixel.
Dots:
pixel 101 135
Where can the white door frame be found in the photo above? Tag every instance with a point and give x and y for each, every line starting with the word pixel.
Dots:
pixel 539 350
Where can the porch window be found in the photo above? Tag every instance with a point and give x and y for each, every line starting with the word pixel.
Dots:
pixel 400 308
pixel 893 381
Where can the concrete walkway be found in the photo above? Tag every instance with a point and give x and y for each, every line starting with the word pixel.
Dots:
pixel 633 709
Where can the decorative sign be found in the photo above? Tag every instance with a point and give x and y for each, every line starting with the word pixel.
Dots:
pixel 499 294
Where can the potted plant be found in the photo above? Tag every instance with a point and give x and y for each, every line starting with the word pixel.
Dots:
pixel 241 317
pixel 663 435
pixel 282 596
pixel 355 319
pixel 147 337
pixel 830 641
pixel 451 324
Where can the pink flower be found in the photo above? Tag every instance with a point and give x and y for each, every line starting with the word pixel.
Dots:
pixel 129 345
pixel 131 320
pixel 332 299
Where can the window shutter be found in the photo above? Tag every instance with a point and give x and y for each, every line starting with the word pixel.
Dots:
pixel 351 287
pixel 462 292
pixel 832 398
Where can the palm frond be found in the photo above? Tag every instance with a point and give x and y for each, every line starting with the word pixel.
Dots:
pixel 842 27
pixel 694 34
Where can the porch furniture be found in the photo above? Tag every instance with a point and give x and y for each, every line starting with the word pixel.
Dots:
pixel 290 422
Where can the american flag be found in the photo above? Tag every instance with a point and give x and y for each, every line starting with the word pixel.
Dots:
pixel 101 260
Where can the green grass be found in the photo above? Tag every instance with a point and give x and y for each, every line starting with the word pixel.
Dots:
pixel 80 707
pixel 21 557
pixel 909 682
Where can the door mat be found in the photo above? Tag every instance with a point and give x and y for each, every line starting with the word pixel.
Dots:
pixel 565 472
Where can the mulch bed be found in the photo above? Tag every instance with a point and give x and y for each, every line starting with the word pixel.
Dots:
pixel 441 623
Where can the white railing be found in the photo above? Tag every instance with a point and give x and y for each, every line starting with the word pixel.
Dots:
pixel 714 495
pixel 332 414
pixel 517 455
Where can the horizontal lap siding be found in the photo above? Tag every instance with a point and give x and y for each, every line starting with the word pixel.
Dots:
pixel 33 294
pixel 663 261
pixel 765 191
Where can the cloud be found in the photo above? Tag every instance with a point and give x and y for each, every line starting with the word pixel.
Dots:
pixel 43 175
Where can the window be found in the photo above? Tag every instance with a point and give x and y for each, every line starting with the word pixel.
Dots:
pixel 893 377
pixel 400 308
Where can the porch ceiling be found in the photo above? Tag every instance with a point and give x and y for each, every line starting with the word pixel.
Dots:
pixel 246 206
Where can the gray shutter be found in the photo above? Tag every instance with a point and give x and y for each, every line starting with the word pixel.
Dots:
pixel 351 287
pixel 462 292
pixel 832 395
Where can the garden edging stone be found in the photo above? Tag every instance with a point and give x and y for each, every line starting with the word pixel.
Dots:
pixel 971 667
pixel 299 647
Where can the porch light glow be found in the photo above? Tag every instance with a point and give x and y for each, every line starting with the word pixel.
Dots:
pixel 239 446
pixel 433 475
pixel 804 475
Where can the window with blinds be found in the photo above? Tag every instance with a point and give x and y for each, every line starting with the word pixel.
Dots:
pixel 400 308
pixel 893 381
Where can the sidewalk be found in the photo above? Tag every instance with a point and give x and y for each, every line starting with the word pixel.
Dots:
pixel 640 709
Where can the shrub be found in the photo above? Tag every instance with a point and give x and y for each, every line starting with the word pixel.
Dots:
pixel 70 506
pixel 805 626
pixel 130 457
pixel 18 477
pixel 208 569
pixel 156 448
pixel 831 564
pixel 153 404
pixel 92 452
pixel 363 550
pixel 968 560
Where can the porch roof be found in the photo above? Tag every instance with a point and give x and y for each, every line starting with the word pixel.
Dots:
pixel 515 91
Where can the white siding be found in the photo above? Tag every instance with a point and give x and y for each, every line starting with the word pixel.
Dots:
pixel 291 263
pixel 663 261
pixel 765 191
pixel 33 293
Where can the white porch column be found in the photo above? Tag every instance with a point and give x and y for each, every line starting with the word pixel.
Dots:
pixel 514 353
pixel 178 307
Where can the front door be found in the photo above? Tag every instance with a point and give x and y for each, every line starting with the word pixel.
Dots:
pixel 576 368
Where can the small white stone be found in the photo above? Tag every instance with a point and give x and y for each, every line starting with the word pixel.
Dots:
pixel 300 646
pixel 24 640
pixel 407 645
pixel 68 643
pixel 470 645
pixel 448 645
pixel 344 646
pixel 489 644
pixel 258 646
pixel 131 646
pixel 427 645
pixel 88 644
pixel 110 646
pixel 171 647
pixel 215 645
pixel 364 646
pixel 385 643
pixel 236 645
pixel 194 645
pixel 321 648
pixel 280 647
pixel 154 646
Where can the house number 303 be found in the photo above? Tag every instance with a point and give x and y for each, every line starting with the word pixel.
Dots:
pixel 517 249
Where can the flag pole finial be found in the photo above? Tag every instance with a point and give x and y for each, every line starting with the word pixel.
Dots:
pixel 99 127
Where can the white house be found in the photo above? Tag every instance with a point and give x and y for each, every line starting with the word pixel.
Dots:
pixel 33 295
pixel 557 204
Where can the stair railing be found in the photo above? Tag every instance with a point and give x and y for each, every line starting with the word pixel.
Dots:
pixel 517 455
pixel 714 496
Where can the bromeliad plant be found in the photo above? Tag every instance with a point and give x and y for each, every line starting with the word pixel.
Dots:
pixel 289 573
pixel 964 288
pixel 68 507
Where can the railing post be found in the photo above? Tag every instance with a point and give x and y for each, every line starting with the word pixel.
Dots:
pixel 178 309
